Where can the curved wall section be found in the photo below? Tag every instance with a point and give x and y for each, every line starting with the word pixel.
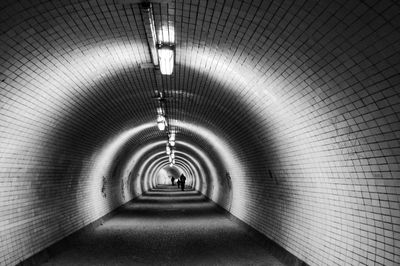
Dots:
pixel 290 106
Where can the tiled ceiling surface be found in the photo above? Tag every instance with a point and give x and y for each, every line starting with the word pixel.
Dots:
pixel 295 102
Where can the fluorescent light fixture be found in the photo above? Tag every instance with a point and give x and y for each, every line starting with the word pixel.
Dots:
pixel 161 122
pixel 172 139
pixel 166 57
pixel 148 20
pixel 160 111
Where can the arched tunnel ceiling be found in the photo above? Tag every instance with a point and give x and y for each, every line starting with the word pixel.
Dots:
pixel 294 103
pixel 235 63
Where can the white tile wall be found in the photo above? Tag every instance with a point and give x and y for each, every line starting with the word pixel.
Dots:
pixel 304 92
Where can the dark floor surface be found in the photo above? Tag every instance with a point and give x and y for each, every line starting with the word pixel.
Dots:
pixel 166 226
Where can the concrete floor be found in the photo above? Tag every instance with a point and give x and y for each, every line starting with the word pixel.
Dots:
pixel 168 227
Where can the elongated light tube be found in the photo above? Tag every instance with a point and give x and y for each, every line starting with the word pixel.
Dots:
pixel 166 57
pixel 161 122
pixel 172 139
pixel 160 111
pixel 168 149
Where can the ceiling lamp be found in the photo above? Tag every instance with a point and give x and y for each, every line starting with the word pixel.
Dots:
pixel 161 122
pixel 172 139
pixel 160 111
pixel 166 58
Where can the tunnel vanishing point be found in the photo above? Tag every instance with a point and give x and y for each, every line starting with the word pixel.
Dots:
pixel 286 114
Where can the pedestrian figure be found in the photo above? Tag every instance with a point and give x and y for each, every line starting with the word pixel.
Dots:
pixel 179 183
pixel 172 180
pixel 183 179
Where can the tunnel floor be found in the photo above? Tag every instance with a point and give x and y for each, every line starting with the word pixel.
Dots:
pixel 169 227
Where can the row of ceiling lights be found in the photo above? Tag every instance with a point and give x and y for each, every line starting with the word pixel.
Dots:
pixel 161 47
pixel 163 125
pixel 162 53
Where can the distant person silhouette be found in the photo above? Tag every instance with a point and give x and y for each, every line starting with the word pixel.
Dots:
pixel 183 180
pixel 179 183
pixel 173 180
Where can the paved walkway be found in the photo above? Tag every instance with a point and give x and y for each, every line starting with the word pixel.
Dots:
pixel 168 227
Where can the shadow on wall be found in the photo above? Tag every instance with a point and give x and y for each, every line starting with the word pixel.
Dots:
pixel 225 193
pixel 226 184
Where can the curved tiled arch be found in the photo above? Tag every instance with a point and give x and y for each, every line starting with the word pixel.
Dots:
pixel 189 164
pixel 302 95
pixel 153 163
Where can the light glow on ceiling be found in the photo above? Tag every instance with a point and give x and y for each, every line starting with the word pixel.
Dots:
pixel 167 33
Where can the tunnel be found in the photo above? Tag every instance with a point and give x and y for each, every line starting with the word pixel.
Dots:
pixel 286 117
